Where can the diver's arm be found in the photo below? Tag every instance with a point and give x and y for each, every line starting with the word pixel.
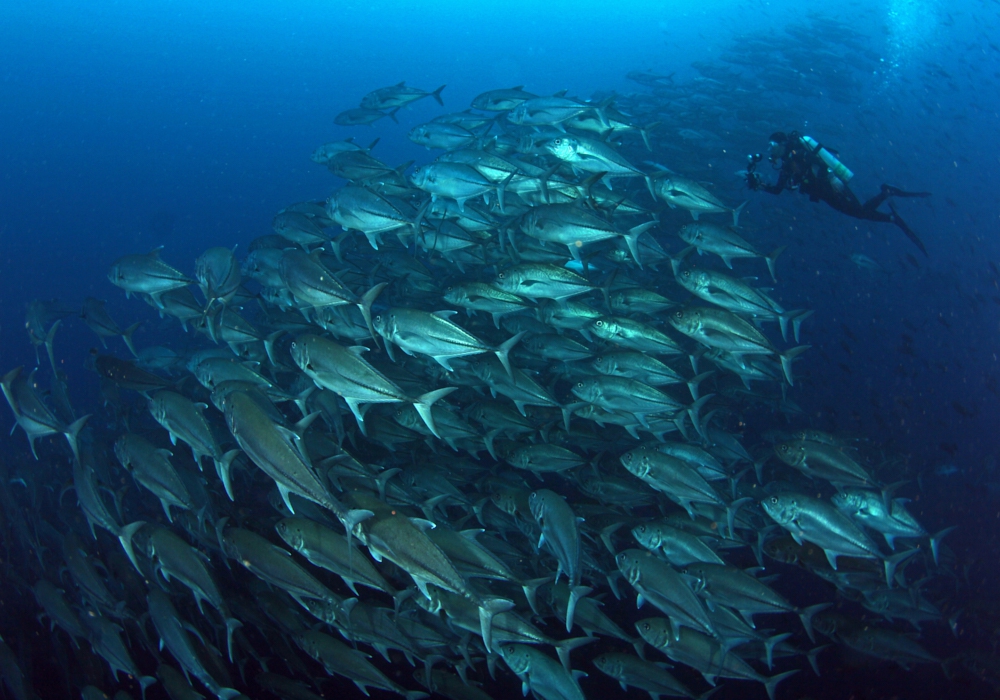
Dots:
pixel 777 187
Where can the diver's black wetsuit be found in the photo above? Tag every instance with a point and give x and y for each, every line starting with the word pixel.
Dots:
pixel 803 169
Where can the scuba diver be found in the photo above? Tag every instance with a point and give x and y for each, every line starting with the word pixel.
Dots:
pixel 807 166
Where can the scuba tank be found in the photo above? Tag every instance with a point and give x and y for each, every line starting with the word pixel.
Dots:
pixel 841 171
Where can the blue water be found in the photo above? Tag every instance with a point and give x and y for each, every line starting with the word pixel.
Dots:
pixel 125 126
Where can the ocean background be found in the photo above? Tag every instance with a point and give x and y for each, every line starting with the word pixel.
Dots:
pixel 130 125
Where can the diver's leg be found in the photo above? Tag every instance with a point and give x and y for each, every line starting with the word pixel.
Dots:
pixel 886 192
pixel 896 192
pixel 898 220
pixel 875 202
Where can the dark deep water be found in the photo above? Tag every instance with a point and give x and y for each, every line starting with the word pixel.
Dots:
pixel 124 127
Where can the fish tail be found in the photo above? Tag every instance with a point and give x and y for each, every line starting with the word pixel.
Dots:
pixel 71 433
pixel 731 512
pixel 503 351
pixel 49 338
pixel 423 405
pixel 232 624
pixel 786 361
pixel 893 562
pixel 694 409
pixel 127 337
pixel 367 299
pixel 813 656
pixel 772 642
pixel 806 615
pixel 606 534
pixel 575 594
pixel 437 95
pixel 936 542
pixel 645 132
pixel 501 190
pixel 769 259
pixel 632 239
pixel 564 647
pixel 489 608
pixel 797 320
pixel 694 381
pixel 145 682
pixel 269 346
pixel 125 537
pixel 675 261
pixel 222 468
pixel 736 214
pixel 771 683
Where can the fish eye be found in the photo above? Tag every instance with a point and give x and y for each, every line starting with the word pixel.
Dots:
pixel 774 500
pixel 642 528
pixel 678 314
pixel 579 385
pixel 783 448
pixel 686 273
pixel 501 276
pixel 600 324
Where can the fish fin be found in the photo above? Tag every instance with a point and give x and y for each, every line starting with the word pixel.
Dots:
pixel 286 497
pixel 769 645
pixel 771 683
pixel 127 337
pixel 893 562
pixel 71 433
pixel 564 647
pixel 806 615
pixel 422 525
pixel 530 589
pixel 125 537
pixel 424 403
pixel 223 467
pixel 365 304
pixel 786 361
pixel 936 542
pixel 503 351
pixel 145 682
pixel 832 558
pixel 769 259
pixel 489 608
pixel 813 656
pixel 576 592
pixel 736 214
pixel 437 95
pixel 797 320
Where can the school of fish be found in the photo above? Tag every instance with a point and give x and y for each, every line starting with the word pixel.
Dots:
pixel 446 431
